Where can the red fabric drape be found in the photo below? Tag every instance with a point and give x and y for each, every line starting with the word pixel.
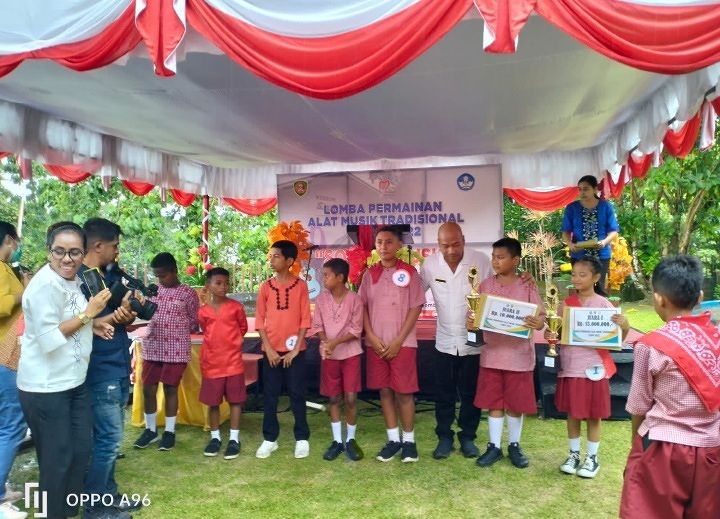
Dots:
pixel 138 188
pixel 251 207
pixel 680 143
pixel 116 40
pixel 639 168
pixel 4 154
pixel 716 105
pixel 543 200
pixel 664 39
pixel 162 32
pixel 611 189
pixel 505 19
pixel 182 198
pixel 334 66
pixel 70 174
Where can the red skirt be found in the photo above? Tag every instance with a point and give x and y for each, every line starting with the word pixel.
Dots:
pixel 583 398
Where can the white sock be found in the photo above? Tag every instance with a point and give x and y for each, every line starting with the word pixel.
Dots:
pixel 235 435
pixel 394 434
pixel 215 435
pixel 170 424
pixel 151 421
pixel 351 431
pixel 574 444
pixel 495 427
pixel 514 424
pixel 409 437
pixel 592 448
pixel 336 431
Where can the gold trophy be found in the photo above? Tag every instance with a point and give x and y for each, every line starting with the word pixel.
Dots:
pixel 474 335
pixel 553 321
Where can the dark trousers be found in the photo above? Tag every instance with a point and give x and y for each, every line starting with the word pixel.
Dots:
pixel 456 377
pixel 61 426
pixel 294 378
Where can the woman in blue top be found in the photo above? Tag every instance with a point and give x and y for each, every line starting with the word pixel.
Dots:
pixel 590 218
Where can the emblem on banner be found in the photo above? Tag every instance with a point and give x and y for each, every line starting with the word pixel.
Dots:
pixel 300 187
pixel 386 185
pixel 466 182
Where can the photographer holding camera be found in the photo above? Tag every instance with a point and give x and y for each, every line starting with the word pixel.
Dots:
pixel 108 377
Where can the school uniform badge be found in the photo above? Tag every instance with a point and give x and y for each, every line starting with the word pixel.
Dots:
pixel 596 372
pixel 291 342
pixel 401 278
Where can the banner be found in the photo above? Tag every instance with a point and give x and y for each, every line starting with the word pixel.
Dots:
pixel 424 199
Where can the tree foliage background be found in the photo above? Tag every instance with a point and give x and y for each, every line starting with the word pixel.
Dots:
pixel 149 225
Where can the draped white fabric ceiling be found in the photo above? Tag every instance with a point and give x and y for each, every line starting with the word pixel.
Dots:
pixel 551 112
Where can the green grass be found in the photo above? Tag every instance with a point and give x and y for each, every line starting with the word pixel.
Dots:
pixel 183 483
pixel 641 315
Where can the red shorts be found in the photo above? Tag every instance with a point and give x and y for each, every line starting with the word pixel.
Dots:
pixel 398 374
pixel 340 376
pixel 169 373
pixel 583 398
pixel 503 389
pixel 232 388
pixel 671 480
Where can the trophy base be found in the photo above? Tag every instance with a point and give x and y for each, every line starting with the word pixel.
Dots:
pixel 551 364
pixel 475 338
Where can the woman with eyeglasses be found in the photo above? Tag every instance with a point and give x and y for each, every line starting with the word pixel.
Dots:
pixel 12 422
pixel 54 358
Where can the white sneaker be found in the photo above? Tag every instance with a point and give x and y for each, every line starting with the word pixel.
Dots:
pixel 11 495
pixel 302 449
pixel 8 511
pixel 571 463
pixel 266 449
pixel 590 467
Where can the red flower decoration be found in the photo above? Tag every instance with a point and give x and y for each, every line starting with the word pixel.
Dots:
pixel 357 258
pixel 202 250
pixel 190 270
pixel 208 266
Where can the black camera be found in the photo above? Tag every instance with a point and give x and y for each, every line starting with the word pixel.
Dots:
pixel 118 290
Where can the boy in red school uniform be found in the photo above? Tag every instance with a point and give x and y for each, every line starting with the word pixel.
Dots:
pixel 673 469
pixel 282 317
pixel 338 320
pixel 224 324
pixel 505 382
pixel 393 296
pixel 166 349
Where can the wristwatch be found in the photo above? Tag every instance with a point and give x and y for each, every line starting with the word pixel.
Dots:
pixel 84 318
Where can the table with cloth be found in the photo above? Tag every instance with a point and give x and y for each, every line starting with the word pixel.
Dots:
pixel 190 410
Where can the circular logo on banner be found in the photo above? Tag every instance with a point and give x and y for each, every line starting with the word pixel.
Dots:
pixel 596 372
pixel 401 278
pixel 291 342
pixel 465 182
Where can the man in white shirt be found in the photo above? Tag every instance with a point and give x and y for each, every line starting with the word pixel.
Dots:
pixel 456 365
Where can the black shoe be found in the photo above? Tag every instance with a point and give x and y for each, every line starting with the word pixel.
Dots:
pixel 443 449
pixel 333 451
pixel 120 456
pixel 517 456
pixel 213 448
pixel 232 451
pixel 167 442
pixel 490 456
pixel 409 452
pixel 146 438
pixel 127 504
pixel 469 449
pixel 353 450
pixel 389 451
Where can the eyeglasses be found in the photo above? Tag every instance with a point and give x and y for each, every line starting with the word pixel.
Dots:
pixel 59 253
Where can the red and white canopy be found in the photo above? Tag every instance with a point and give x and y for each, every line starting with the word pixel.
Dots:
pixel 245 90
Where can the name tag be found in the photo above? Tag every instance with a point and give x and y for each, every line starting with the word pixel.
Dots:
pixel 440 280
